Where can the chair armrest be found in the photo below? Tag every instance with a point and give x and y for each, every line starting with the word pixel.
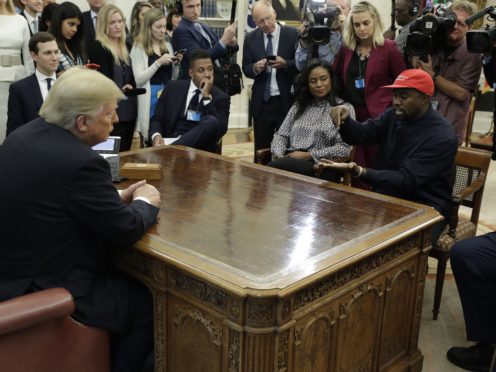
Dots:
pixel 475 186
pixel 263 156
pixel 28 310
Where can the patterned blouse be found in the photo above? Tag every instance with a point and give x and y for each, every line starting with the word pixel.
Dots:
pixel 313 132
pixel 66 61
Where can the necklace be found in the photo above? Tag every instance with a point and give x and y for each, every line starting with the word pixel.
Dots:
pixel 363 56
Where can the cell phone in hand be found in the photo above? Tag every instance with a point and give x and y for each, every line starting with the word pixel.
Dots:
pixel 180 51
pixel 271 58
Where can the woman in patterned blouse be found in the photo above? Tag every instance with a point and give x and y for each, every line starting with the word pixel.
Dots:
pixel 308 133
pixel 66 26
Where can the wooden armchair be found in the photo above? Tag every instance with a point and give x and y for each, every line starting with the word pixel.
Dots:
pixel 37 334
pixel 468 187
pixel 264 156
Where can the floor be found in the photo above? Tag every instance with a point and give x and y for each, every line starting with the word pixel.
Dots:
pixel 436 337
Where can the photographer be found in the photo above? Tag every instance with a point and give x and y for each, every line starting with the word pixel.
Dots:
pixel 454 70
pixel 405 14
pixel 326 51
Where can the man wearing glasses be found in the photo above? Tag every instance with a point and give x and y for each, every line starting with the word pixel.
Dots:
pixel 455 71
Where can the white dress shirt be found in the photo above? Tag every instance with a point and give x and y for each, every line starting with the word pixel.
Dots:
pixel 43 82
pixel 274 88
pixel 32 22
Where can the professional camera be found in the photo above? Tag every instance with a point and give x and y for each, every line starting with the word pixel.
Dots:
pixel 319 19
pixel 428 32
pixel 482 41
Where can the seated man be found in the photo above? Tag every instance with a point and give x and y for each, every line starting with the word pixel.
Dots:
pixel 473 262
pixel 417 146
pixel 60 214
pixel 27 95
pixel 194 109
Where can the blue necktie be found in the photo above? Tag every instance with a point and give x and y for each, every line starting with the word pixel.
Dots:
pixel 203 33
pixel 268 52
pixel 49 83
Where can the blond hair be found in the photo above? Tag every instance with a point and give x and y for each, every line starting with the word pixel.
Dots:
pixel 78 91
pixel 10 7
pixel 349 37
pixel 464 5
pixel 119 51
pixel 145 38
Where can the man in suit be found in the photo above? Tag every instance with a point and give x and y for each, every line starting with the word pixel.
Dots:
pixel 89 20
pixel 193 109
pixel 60 215
pixel 32 11
pixel 190 34
pixel 269 59
pixel 27 95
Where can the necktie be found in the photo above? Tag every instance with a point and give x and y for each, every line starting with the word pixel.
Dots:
pixel 200 29
pixel 35 25
pixel 193 104
pixel 49 83
pixel 94 22
pixel 268 52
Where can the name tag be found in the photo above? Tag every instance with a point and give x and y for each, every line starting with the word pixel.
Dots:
pixel 193 115
pixel 360 83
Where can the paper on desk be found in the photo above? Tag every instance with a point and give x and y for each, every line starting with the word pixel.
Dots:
pixel 169 140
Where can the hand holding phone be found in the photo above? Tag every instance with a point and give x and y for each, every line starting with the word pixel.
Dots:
pixel 179 51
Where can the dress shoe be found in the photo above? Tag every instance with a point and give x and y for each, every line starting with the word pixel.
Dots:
pixel 474 358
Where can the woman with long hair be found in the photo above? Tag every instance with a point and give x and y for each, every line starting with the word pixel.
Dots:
pixel 137 14
pixel 308 133
pixel 67 27
pixel 46 17
pixel 15 58
pixel 154 64
pixel 172 20
pixel 366 62
pixel 110 53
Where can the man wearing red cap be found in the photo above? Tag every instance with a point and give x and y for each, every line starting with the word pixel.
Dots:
pixel 417 146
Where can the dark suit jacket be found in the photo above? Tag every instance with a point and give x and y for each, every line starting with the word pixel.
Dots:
pixel 25 101
pixel 89 29
pixel 384 65
pixel 172 103
pixel 59 218
pixel 185 36
pixel 254 50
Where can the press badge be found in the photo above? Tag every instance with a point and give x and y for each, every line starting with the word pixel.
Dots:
pixel 193 115
pixel 360 83
pixel 435 105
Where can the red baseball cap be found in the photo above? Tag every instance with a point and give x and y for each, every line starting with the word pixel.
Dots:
pixel 414 79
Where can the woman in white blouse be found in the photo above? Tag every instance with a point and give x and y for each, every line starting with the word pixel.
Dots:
pixel 308 133
pixel 15 59
pixel 154 64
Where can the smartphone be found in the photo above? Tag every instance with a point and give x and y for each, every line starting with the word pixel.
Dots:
pixel 180 51
pixel 271 58
pixel 134 92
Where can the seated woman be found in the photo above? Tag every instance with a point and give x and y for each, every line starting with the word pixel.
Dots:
pixel 308 133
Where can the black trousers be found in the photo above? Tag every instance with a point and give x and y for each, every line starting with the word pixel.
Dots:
pixel 474 266
pixel 125 130
pixel 268 122
pixel 202 135
pixel 132 351
pixel 304 167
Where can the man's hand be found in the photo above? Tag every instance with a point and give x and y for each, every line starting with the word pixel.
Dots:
pixel 149 192
pixel 278 63
pixel 351 168
pixel 158 140
pixel 338 115
pixel 229 33
pixel 426 66
pixel 206 85
pixel 260 66
pixel 127 194
pixel 300 155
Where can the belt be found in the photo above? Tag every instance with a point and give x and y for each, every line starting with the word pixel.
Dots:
pixel 8 60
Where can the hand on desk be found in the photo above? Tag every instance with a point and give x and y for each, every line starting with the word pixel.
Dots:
pixel 149 192
pixel 127 194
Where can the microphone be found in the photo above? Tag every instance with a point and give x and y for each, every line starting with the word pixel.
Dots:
pixel 481 13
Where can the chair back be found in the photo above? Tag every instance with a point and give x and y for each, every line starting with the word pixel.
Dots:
pixel 472 166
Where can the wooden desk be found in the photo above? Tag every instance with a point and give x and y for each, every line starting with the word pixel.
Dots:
pixel 255 269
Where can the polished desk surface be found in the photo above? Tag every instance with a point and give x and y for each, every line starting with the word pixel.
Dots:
pixel 253 229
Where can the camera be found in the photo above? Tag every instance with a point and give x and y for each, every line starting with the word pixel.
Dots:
pixel 482 41
pixel 319 19
pixel 428 32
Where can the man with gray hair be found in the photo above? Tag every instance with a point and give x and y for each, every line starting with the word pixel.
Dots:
pixel 60 214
